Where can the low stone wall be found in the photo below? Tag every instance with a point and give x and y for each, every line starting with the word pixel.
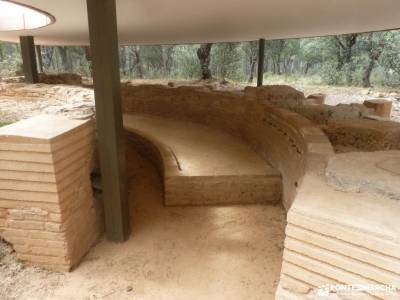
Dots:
pixel 196 172
pixel 47 210
pixel 63 78
pixel 333 235
pixel 288 141
pixel 363 135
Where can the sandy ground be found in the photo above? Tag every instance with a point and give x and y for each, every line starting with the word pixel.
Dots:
pixel 231 252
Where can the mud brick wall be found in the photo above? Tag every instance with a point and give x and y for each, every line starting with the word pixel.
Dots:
pixel 47 210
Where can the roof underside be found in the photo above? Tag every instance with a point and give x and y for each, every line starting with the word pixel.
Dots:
pixel 195 21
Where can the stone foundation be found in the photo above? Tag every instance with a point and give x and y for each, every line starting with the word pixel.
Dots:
pixel 283 138
pixel 47 210
pixel 333 235
pixel 196 172
pixel 381 107
pixel 64 78
pixel 363 135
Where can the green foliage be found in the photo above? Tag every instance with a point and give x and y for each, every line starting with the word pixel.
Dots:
pixel 225 61
pixel 354 59
pixel 10 60
pixel 185 64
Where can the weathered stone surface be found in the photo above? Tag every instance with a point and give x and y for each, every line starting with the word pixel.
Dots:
pixel 199 172
pixel 48 213
pixel 325 114
pixel 60 78
pixel 372 172
pixel 72 101
pixel 357 231
pixel 245 117
pixel 281 95
pixel 381 107
pixel 363 135
pixel 316 99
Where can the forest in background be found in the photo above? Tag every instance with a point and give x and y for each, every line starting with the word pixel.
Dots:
pixel 368 59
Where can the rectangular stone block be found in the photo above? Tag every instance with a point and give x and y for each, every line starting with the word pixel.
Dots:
pixel 3 212
pixel 326 270
pixel 360 253
pixel 22 224
pixel 382 107
pixel 344 262
pixel 46 206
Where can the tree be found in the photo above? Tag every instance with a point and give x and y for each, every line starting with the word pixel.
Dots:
pixel 274 51
pixel 48 58
pixel 251 56
pixel 167 59
pixel 135 61
pixel 374 46
pixel 66 62
pixel 353 59
pixel 344 54
pixel 203 53
pixel 225 60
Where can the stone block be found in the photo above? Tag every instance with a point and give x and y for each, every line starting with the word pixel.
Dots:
pixel 381 107
pixel 45 188
pixel 316 99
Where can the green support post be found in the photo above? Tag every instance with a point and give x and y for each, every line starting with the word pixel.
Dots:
pixel 29 59
pixel 105 61
pixel 261 54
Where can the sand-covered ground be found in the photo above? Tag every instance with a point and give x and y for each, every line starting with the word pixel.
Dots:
pixel 227 252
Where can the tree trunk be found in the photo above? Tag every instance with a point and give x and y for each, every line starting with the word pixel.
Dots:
pixel 344 54
pixel 138 63
pixel 123 60
pixel 66 63
pixel 367 74
pixel 307 68
pixel 374 52
pixel 253 61
pixel 167 52
pixel 203 53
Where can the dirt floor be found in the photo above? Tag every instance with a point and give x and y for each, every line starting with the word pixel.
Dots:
pixel 230 252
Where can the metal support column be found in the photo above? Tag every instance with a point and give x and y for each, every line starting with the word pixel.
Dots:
pixel 104 47
pixel 261 54
pixel 29 59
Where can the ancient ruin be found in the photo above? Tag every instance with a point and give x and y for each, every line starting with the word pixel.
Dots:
pixel 225 159
pixel 339 220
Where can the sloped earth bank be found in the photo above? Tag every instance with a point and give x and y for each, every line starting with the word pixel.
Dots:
pixel 229 252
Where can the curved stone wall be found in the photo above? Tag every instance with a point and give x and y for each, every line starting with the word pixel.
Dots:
pixel 291 143
pixel 333 236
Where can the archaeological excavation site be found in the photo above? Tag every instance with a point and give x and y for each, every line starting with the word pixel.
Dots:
pixel 200 189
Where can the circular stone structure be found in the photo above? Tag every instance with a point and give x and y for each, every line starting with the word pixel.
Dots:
pixel 190 21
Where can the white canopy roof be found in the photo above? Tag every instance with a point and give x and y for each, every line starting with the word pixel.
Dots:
pixel 194 21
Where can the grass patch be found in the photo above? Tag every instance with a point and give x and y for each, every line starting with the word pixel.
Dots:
pixel 4 124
